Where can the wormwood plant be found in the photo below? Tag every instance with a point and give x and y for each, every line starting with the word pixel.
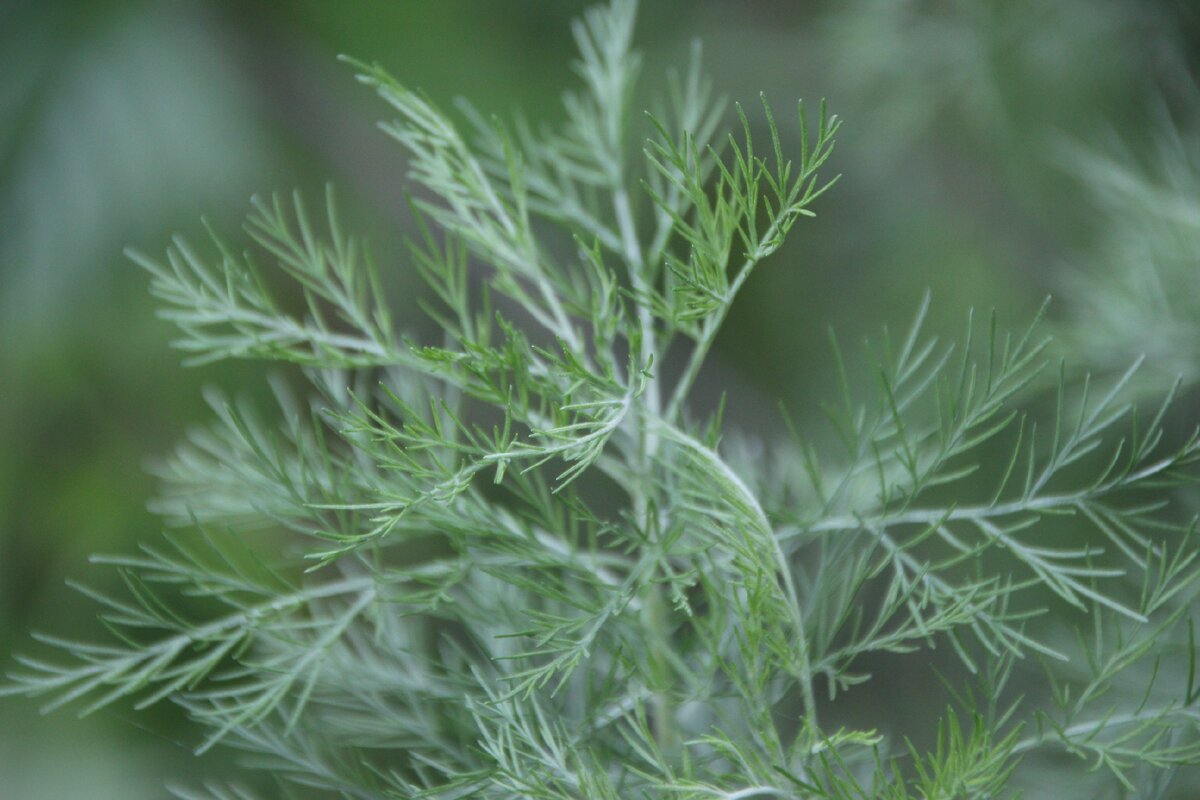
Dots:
pixel 511 562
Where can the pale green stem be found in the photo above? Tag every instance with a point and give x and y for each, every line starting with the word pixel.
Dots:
pixel 976 513
pixel 712 324
pixel 637 277
pixel 1089 729
pixel 654 612
pixel 782 566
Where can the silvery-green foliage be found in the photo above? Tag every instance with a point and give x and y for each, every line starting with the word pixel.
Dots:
pixel 509 563
pixel 1134 293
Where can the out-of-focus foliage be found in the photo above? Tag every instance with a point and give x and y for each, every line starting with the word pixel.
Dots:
pixel 148 112
pixel 1136 290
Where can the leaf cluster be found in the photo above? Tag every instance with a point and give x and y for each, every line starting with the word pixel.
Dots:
pixel 510 563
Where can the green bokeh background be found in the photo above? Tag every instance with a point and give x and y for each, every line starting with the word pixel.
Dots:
pixel 124 121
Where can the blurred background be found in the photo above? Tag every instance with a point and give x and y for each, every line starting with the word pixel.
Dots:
pixel 993 152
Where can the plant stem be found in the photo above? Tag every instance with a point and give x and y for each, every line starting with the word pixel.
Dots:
pixel 712 324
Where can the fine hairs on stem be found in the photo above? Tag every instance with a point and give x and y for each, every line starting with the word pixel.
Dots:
pixel 519 566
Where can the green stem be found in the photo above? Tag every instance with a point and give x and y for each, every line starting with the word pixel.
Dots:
pixel 712 324
pixel 722 471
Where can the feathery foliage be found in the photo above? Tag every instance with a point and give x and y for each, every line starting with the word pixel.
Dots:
pixel 512 563
pixel 1139 297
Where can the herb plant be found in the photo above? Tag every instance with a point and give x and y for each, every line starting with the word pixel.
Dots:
pixel 514 561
